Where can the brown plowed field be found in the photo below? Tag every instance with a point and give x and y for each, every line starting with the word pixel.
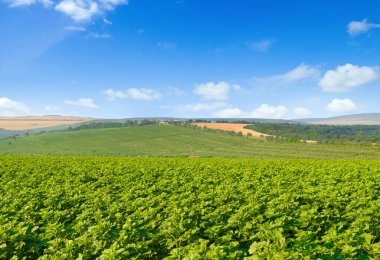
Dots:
pixel 33 122
pixel 231 127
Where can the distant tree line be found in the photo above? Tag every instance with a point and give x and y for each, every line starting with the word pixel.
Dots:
pixel 191 121
pixel 320 133
pixel 114 124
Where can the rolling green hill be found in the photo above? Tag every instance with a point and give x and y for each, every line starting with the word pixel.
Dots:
pixel 357 119
pixel 172 141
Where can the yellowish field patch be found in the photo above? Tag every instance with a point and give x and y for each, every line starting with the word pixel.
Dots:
pixel 231 127
pixel 33 122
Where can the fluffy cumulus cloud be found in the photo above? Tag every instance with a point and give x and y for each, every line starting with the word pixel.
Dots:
pixel 355 28
pixel 341 106
pixel 9 107
pixel 218 91
pixel 198 107
pixel 267 111
pixel 299 73
pixel 132 93
pixel 82 102
pixel 262 46
pixel 78 10
pixel 347 77
pixel 300 111
pixel 230 113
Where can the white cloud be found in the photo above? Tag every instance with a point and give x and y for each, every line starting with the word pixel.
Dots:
pixel 106 21
pixel 300 111
pixel 143 94
pixel 202 107
pixel 10 107
pixel 114 94
pixel 166 45
pixel 215 91
pixel 267 111
pixel 18 3
pixel 78 10
pixel 75 28
pixel 140 31
pixel 261 46
pixel 230 113
pixel 83 102
pixel 341 106
pixel 111 4
pixel 347 77
pixel 133 93
pixel 100 35
pixel 300 73
pixel 355 28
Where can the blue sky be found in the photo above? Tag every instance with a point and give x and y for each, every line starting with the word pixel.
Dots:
pixel 183 58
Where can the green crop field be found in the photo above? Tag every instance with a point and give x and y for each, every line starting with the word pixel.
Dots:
pixel 99 205
pixel 173 141
pixel 136 208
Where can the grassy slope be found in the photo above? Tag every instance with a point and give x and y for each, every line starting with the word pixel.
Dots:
pixel 173 141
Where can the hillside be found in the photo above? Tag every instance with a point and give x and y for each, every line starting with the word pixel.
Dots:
pixel 171 141
pixel 359 119
pixel 337 134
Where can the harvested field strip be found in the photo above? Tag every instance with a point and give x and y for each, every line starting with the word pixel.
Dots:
pixel 33 122
pixel 231 127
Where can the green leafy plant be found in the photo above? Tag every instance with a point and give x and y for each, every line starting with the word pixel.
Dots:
pixel 138 208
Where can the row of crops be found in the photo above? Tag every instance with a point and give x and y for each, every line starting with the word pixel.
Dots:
pixel 137 208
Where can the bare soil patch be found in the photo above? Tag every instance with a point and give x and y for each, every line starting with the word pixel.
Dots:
pixel 33 122
pixel 231 127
